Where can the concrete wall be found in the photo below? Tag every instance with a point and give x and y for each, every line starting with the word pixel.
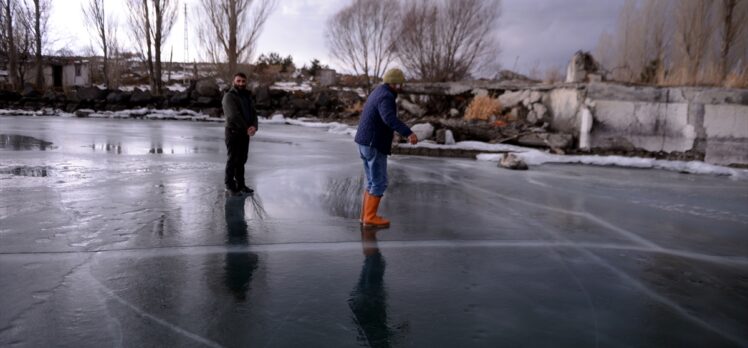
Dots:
pixel 726 128
pixel 704 122
pixel 710 121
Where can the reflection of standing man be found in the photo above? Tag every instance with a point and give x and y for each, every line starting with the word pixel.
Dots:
pixel 241 123
pixel 374 138
pixel 368 300
pixel 240 263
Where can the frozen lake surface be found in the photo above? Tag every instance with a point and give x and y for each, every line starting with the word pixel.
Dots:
pixel 118 233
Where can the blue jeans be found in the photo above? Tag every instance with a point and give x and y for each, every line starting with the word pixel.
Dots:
pixel 375 167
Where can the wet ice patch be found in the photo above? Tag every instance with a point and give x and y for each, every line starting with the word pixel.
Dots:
pixel 22 142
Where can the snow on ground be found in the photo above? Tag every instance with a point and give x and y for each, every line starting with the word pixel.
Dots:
pixel 132 88
pixel 332 127
pixel 143 113
pixel 473 145
pixel 155 114
pixel 176 87
pixel 292 86
pixel 42 112
pixel 537 157
pixel 360 91
pixel 177 76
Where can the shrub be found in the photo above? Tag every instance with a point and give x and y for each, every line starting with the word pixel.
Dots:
pixel 482 108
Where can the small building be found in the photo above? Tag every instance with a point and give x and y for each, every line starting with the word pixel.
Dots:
pixel 326 77
pixel 63 72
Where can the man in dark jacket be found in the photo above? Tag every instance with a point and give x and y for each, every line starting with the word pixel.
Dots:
pixel 374 138
pixel 241 123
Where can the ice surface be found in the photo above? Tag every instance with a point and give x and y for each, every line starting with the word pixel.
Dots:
pixel 130 240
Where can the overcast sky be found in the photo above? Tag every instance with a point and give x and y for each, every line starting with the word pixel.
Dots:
pixel 542 33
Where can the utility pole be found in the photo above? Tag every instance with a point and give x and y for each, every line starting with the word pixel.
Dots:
pixel 186 37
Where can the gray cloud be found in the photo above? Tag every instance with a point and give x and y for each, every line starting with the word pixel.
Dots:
pixel 547 32
pixel 540 32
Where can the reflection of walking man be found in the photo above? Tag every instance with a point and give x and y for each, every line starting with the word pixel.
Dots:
pixel 374 139
pixel 368 300
pixel 241 123
pixel 240 263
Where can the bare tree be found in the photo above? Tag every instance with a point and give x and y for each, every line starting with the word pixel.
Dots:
pixel 629 42
pixel 8 31
pixel 38 11
pixel 693 34
pixel 448 40
pixel 151 22
pixel 679 42
pixel 140 25
pixel 732 18
pixel 229 31
pixel 657 31
pixel 361 36
pixel 105 30
pixel 24 41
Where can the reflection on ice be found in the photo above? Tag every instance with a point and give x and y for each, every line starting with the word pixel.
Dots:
pixel 22 142
pixel 27 171
pixel 240 263
pixel 368 300
pixel 141 149
pixel 107 147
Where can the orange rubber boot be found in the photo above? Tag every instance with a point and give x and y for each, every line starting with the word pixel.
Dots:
pixel 363 206
pixel 370 213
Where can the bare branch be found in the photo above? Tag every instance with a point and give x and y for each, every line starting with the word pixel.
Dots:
pixel 361 36
pixel 448 40
pixel 230 29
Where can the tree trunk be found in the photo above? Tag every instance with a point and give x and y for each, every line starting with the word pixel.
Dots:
pixel 157 45
pixel 105 44
pixel 12 56
pixel 728 7
pixel 38 37
pixel 232 51
pixel 149 52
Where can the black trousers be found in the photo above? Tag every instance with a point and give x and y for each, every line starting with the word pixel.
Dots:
pixel 237 146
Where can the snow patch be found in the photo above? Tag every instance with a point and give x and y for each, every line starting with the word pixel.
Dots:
pixel 133 87
pixel 176 87
pixel 292 86
pixel 156 114
pixel 332 127
pixel 536 157
pixel 42 112
pixel 360 91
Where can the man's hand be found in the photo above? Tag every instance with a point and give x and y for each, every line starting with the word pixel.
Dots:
pixel 412 139
pixel 251 131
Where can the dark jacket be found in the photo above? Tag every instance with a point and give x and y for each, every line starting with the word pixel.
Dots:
pixel 239 110
pixel 379 120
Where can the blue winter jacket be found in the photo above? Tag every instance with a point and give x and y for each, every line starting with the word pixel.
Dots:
pixel 379 120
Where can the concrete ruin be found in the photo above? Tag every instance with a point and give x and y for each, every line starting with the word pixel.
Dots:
pixel 709 124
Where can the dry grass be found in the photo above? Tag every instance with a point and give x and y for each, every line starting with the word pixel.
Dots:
pixel 482 108
pixel 737 80
pixel 708 76
pixel 357 107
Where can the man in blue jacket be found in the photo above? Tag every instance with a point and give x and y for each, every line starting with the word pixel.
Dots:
pixel 374 138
